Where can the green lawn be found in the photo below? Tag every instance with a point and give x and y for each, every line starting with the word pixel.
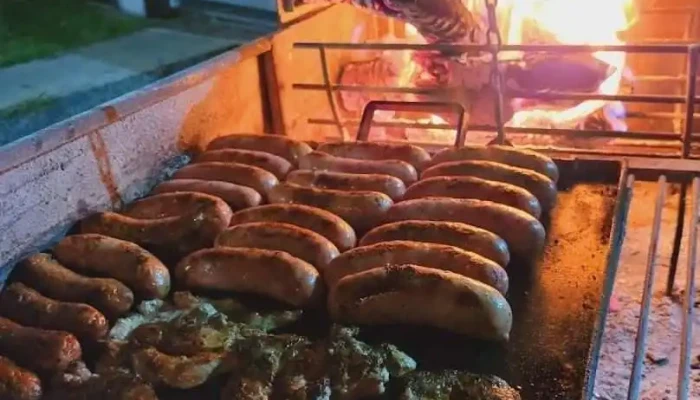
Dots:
pixel 31 29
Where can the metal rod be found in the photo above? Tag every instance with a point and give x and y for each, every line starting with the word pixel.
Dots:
pixel 642 331
pixel 689 299
pixel 659 136
pixel 690 98
pixel 330 92
pixel 464 48
pixel 516 94
pixel 677 239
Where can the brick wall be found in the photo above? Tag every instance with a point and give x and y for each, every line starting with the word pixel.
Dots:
pixel 662 20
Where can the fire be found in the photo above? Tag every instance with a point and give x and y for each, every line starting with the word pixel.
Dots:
pixel 578 22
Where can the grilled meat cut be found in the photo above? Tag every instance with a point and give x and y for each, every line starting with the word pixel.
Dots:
pixel 448 385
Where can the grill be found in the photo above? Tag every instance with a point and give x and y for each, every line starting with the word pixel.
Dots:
pixel 672 147
pixel 130 163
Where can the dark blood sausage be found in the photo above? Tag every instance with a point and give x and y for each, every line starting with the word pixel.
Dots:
pixel 389 185
pixel 415 295
pixel 240 174
pixel 467 187
pixel 539 185
pixel 466 237
pixel 523 233
pixel 94 254
pixel 170 225
pixel 237 197
pixel 409 153
pixel 28 307
pixel 325 162
pixel 326 224
pixel 270 273
pixel 290 150
pixel 362 210
pixel 276 165
pixel 521 158
pixel 46 275
pixel 17 383
pixel 38 349
pixel 299 242
pixel 430 255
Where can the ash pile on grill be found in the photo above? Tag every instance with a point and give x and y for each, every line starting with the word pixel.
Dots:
pixel 660 373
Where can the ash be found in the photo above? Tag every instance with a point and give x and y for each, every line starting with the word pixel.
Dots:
pixel 660 373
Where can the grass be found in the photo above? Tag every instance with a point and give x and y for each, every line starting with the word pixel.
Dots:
pixel 32 29
pixel 28 106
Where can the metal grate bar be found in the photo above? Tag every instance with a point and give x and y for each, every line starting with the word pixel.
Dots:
pixel 689 298
pixel 642 331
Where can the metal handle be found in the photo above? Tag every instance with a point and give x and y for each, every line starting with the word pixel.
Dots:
pixel 415 106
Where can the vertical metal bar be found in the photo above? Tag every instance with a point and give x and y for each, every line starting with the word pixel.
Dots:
pixel 690 98
pixel 642 331
pixel 689 299
pixel 677 239
pixel 330 92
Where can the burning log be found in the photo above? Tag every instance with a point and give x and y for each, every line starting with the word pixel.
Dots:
pixel 446 21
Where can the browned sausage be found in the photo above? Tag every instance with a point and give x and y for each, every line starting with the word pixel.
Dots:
pixel 290 150
pixel 315 219
pixel 94 254
pixel 38 349
pixel 240 174
pixel 299 242
pixel 389 185
pixel 410 294
pixel 539 185
pixel 325 162
pixel 16 383
pixel 28 307
pixel 467 187
pixel 466 237
pixel 413 155
pixel 524 234
pixel 429 255
pixel 267 161
pixel 169 225
pixel 237 197
pixel 362 210
pixel 43 273
pixel 521 158
pixel 275 274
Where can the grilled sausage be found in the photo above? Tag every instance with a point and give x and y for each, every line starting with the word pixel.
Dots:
pixel 276 165
pixel 539 185
pixel 325 162
pixel 94 254
pixel 317 220
pixel 521 158
pixel 170 225
pixel 467 187
pixel 290 150
pixel 362 210
pixel 240 174
pixel 429 255
pixel 299 242
pixel 410 294
pixel 409 153
pixel 237 197
pixel 43 273
pixel 466 237
pixel 275 274
pixel 523 233
pixel 38 349
pixel 28 307
pixel 180 372
pixel 389 185
pixel 16 383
